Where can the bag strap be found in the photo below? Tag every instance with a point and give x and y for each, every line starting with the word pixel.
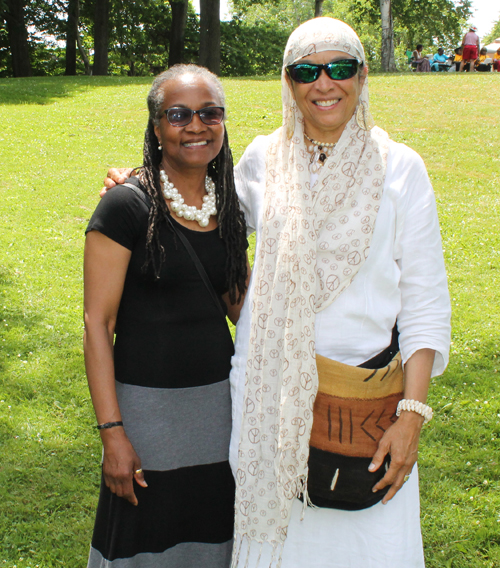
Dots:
pixel 144 197
pixel 199 266
pixel 187 245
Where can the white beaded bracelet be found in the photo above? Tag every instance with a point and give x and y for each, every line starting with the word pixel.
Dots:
pixel 415 406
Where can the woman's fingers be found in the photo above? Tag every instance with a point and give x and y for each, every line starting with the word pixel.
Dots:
pixel 115 176
pixel 378 458
pixel 118 175
pixel 121 484
pixel 128 492
pixel 399 468
pixel 125 488
pixel 399 463
pixel 401 442
pixel 121 465
pixel 139 477
pixel 399 481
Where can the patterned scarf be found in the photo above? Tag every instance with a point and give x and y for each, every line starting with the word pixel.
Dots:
pixel 314 241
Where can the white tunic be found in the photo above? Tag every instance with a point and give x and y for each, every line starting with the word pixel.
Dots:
pixel 403 277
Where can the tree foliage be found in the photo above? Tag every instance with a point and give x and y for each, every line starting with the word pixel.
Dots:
pixel 251 50
pixel 431 22
pixel 138 43
pixel 140 36
pixel 494 34
pixel 140 32
pixel 46 23
pixel 139 48
pixel 284 14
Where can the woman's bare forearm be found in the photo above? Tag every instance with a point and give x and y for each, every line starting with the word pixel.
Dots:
pixel 105 267
pixel 402 438
pixel 417 374
pixel 98 350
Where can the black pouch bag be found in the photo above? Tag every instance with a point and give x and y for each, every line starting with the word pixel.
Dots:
pixel 353 408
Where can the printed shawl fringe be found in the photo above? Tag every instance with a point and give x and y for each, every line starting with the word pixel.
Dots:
pixel 242 542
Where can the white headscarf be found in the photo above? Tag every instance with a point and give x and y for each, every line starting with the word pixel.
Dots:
pixel 297 276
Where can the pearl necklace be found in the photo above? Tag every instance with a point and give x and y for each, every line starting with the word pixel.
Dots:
pixel 190 212
pixel 320 152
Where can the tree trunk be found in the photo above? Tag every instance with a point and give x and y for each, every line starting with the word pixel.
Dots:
pixel 388 63
pixel 101 37
pixel 18 38
pixel 177 30
pixel 71 36
pixel 209 55
pixel 86 62
pixel 318 8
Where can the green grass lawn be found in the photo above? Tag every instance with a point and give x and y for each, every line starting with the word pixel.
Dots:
pixel 57 138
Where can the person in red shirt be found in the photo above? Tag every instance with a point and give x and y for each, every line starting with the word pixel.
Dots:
pixel 470 45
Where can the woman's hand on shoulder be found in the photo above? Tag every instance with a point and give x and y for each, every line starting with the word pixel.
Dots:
pixel 115 176
pixel 120 464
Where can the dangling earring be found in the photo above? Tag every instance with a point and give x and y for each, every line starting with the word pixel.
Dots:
pixel 363 117
pixel 160 147
pixel 290 123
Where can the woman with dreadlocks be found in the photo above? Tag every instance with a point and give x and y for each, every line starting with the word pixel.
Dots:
pixel 161 392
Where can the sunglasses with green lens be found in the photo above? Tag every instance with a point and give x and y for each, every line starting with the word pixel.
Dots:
pixel 337 70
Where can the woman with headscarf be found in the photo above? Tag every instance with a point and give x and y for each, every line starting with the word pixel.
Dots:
pixel 348 254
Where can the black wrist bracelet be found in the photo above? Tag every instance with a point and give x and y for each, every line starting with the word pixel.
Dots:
pixel 108 425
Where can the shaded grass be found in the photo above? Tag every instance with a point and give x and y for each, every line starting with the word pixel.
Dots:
pixel 58 137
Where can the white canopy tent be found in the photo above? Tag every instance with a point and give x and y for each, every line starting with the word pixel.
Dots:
pixel 492 47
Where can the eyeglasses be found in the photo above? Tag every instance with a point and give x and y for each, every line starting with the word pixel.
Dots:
pixel 180 116
pixel 336 70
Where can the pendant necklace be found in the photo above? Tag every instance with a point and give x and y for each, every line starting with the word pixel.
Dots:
pixel 320 151
pixel 190 212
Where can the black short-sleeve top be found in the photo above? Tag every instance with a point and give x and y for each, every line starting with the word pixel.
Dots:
pixel 169 332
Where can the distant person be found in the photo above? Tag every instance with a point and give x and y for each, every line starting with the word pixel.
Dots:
pixel 470 45
pixel 483 62
pixel 457 60
pixel 422 62
pixel 439 61
pixel 496 60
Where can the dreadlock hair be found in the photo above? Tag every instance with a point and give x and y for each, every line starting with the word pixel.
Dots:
pixel 232 227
